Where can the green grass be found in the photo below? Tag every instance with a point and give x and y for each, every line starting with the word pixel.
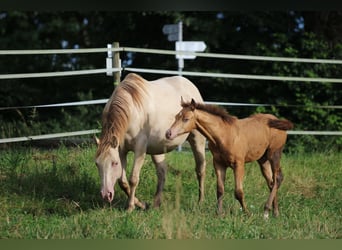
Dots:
pixel 54 194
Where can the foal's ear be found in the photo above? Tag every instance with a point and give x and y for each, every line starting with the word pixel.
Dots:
pixel 193 104
pixel 97 140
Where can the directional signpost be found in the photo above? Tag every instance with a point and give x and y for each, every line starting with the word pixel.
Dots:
pixel 174 32
pixel 191 46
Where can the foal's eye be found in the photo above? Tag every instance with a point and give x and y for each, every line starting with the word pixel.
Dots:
pixel 185 119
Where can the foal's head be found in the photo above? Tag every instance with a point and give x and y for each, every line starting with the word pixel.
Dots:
pixel 185 120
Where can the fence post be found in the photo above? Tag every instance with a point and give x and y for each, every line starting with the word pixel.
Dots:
pixel 116 63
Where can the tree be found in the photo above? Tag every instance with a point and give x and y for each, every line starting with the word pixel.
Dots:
pixel 282 33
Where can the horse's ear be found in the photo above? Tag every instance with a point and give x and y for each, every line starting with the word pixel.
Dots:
pixel 114 142
pixel 193 104
pixel 182 101
pixel 97 140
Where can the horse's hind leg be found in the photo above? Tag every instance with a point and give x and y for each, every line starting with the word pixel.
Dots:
pixel 275 201
pixel 277 178
pixel 197 143
pixel 266 170
pixel 161 168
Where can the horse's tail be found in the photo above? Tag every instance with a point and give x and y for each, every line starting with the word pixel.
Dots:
pixel 280 124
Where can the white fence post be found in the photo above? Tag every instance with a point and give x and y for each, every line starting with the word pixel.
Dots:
pixel 117 69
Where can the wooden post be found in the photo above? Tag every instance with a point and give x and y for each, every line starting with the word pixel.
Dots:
pixel 116 64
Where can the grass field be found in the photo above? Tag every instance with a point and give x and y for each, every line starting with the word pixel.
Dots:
pixel 54 194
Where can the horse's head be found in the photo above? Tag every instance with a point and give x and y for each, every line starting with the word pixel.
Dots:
pixel 109 166
pixel 185 120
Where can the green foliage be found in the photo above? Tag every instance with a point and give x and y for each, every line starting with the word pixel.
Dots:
pixel 39 121
pixel 54 194
pixel 310 97
pixel 306 34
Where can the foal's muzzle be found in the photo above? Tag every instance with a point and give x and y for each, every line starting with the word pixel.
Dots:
pixel 168 134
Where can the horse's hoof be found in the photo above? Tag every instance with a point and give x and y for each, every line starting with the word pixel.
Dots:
pixel 276 214
pixel 130 209
pixel 248 214
pixel 266 216
pixel 147 206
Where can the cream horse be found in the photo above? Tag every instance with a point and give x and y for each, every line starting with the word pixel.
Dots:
pixel 135 118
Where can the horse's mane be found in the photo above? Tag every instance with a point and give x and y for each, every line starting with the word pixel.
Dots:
pixel 212 109
pixel 131 92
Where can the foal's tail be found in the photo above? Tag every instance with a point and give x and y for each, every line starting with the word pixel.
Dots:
pixel 280 124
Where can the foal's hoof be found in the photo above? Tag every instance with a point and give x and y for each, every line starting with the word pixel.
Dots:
pixel 276 214
pixel 247 212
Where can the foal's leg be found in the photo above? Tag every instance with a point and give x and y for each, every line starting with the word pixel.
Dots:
pixel 197 143
pixel 161 168
pixel 275 201
pixel 277 179
pixel 239 171
pixel 267 172
pixel 220 171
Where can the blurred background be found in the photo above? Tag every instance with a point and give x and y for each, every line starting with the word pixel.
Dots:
pixel 294 34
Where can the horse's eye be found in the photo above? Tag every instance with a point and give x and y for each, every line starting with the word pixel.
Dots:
pixel 115 164
pixel 185 119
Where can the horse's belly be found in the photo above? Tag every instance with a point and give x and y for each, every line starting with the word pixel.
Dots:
pixel 158 146
pixel 255 152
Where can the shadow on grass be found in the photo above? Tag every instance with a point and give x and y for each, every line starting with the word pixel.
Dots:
pixel 50 192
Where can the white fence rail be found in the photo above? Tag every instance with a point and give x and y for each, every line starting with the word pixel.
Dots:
pixel 159 71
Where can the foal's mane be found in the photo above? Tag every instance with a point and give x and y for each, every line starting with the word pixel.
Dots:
pixel 212 109
pixel 130 93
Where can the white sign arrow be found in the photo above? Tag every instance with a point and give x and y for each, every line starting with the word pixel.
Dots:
pixel 190 46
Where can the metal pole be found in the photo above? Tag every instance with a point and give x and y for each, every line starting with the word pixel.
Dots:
pixel 109 60
pixel 180 39
pixel 180 61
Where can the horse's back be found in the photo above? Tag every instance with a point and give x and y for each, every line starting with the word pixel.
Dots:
pixel 173 88
pixel 166 94
pixel 257 136
pixel 161 108
pixel 257 127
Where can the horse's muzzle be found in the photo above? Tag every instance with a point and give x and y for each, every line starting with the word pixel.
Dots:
pixel 107 195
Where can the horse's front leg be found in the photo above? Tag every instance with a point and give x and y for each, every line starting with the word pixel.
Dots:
pixel 197 143
pixel 239 171
pixel 139 157
pixel 220 171
pixel 123 182
pixel 161 168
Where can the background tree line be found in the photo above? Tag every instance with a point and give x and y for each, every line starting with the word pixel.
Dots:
pixel 286 33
